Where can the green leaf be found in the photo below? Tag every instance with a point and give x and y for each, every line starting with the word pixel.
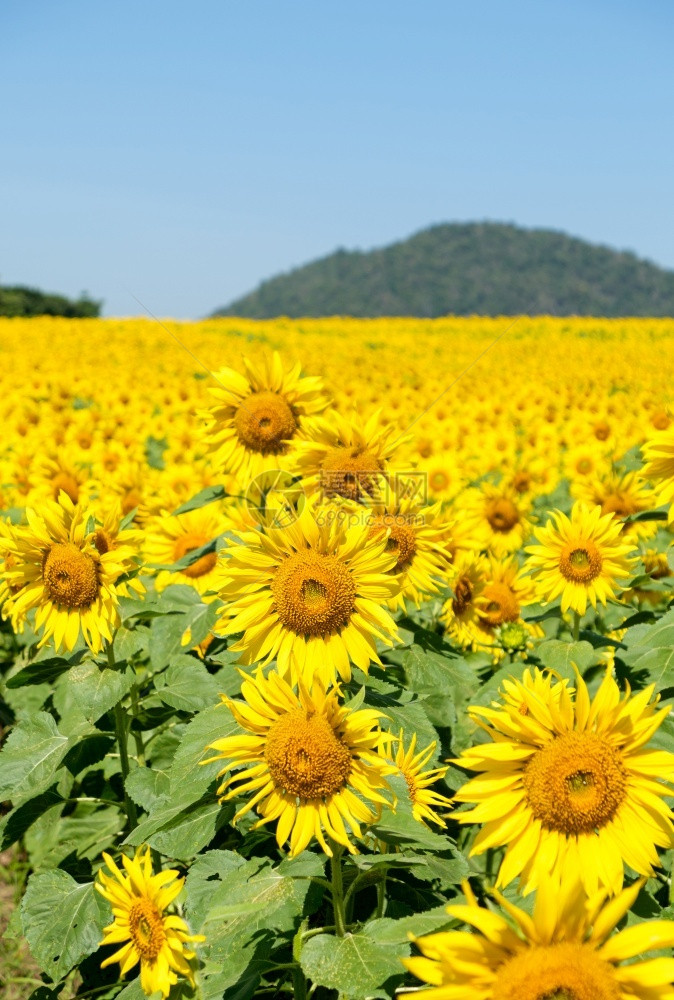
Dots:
pixel 47 669
pixel 277 902
pixel 186 772
pixel 206 876
pixel 561 656
pixel 355 965
pixel 62 921
pixel 30 757
pixel 651 648
pixel 191 831
pixel 97 690
pixel 148 787
pixel 187 685
pixel 203 497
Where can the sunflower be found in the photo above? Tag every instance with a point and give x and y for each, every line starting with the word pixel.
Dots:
pixel 410 765
pixel 170 537
pixel 141 925
pixel 112 533
pixel 659 468
pixel 54 564
pixel 347 458
pixel 581 558
pixel 499 515
pixel 310 595
pixel 567 783
pixel 308 760
pixel 258 415
pixel 416 535
pixel 459 614
pixel 620 494
pixel 564 951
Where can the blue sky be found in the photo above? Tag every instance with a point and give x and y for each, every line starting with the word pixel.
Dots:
pixel 183 152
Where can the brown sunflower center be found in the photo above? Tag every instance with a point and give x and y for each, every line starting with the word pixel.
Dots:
pixel 584 465
pixel 619 504
pixel 522 481
pixel 64 481
pixel 147 929
pixel 314 594
pixel 402 539
pixel 102 541
pixel 502 514
pixel 463 595
pixel 580 562
pixel 189 543
pixel 305 755
pixel 564 971
pixel 576 783
pixel 439 480
pixel 499 604
pixel 350 473
pixel 70 576
pixel 264 422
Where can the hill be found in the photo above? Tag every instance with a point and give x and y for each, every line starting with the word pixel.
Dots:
pixel 482 268
pixel 17 300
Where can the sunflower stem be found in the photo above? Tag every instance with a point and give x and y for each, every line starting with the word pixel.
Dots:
pixel 136 733
pixel 299 979
pixel 576 625
pixel 121 733
pixel 381 896
pixel 337 889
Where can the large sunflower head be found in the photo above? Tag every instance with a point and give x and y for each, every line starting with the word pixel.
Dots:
pixel 257 416
pixel 142 926
pixel 581 558
pixel 308 760
pixel 58 565
pixel 567 781
pixel 309 594
pixel 564 951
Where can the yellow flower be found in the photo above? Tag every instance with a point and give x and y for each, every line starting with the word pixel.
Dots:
pixel 411 765
pixel 499 515
pixel 169 537
pixel 310 595
pixel 59 565
pixel 417 537
pixel 306 759
pixel 258 415
pixel 459 615
pixel 564 951
pixel 568 783
pixel 581 558
pixel 347 458
pixel 621 495
pixel 659 468
pixel 141 925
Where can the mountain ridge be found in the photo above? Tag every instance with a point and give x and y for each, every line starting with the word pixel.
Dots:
pixel 475 268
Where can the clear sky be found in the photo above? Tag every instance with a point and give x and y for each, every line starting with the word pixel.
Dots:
pixel 183 151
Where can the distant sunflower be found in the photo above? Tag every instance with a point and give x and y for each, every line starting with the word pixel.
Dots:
pixel 622 495
pixel 564 951
pixel 659 468
pixel 567 784
pixel 580 559
pixel 308 761
pixel 500 517
pixel 309 594
pixel 141 925
pixel 416 535
pixel 410 763
pixel 258 415
pixel 170 537
pixel 53 564
pixel 344 457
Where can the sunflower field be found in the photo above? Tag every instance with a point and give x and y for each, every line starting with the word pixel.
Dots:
pixel 337 658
